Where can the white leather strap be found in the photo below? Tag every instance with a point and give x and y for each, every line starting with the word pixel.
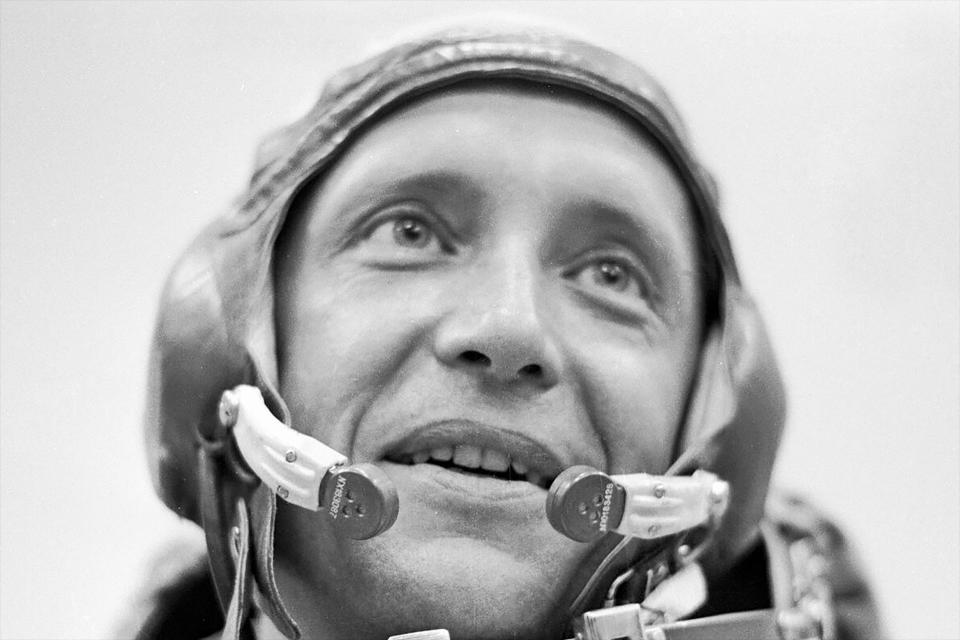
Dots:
pixel 290 463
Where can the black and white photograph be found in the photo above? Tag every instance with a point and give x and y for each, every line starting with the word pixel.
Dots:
pixel 438 320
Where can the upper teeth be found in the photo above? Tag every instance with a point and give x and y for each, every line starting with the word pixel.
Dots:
pixel 472 457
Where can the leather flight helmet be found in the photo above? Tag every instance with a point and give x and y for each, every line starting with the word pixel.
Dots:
pixel 215 327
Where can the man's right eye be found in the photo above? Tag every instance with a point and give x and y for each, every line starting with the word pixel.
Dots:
pixel 404 235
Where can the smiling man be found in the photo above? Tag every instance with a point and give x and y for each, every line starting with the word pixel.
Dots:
pixel 494 283
pixel 484 272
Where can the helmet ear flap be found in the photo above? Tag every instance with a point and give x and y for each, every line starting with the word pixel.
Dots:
pixel 192 359
pixel 263 509
pixel 735 420
pixel 195 355
pixel 263 514
pixel 712 401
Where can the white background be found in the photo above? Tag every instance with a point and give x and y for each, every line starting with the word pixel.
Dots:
pixel 833 129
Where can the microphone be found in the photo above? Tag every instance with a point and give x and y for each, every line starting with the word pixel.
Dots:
pixel 585 504
pixel 359 500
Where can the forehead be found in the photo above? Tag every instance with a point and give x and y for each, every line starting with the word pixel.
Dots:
pixel 497 145
pixel 476 128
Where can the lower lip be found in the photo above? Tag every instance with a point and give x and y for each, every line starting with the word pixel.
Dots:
pixel 426 480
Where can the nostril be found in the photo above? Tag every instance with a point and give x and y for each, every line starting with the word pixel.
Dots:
pixel 531 370
pixel 475 357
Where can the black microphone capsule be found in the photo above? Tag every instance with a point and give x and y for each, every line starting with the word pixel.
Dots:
pixel 360 500
pixel 584 503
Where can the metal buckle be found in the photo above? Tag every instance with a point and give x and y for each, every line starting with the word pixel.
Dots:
pixel 611 624
pixel 812 616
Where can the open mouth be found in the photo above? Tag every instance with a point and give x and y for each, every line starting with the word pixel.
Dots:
pixel 479 461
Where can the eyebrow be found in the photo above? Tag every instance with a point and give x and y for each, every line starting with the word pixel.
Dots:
pixel 631 222
pixel 436 182
pixel 630 225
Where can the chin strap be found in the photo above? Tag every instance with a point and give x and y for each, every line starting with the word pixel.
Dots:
pixel 233 628
pixel 228 553
pixel 239 546
pixel 247 461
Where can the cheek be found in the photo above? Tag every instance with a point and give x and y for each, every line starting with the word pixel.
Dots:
pixel 343 341
pixel 637 399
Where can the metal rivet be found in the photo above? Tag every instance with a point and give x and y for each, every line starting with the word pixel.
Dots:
pixel 719 492
pixel 795 624
pixel 659 491
pixel 291 456
pixel 283 492
pixel 684 550
pixel 653 529
pixel 228 409
pixel 654 633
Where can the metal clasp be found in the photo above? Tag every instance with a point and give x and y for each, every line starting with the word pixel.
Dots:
pixel 611 624
pixel 812 616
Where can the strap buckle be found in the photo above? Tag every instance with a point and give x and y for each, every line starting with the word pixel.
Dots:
pixel 811 617
pixel 611 624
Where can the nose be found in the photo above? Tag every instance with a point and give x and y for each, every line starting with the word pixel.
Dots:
pixel 495 327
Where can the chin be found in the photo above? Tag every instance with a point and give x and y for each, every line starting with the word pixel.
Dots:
pixel 460 566
pixel 474 588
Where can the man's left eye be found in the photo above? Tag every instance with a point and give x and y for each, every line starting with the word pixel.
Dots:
pixel 410 232
pixel 610 275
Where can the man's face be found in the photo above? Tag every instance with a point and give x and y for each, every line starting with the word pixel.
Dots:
pixel 490 285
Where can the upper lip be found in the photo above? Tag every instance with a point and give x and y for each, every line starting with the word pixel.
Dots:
pixel 519 447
